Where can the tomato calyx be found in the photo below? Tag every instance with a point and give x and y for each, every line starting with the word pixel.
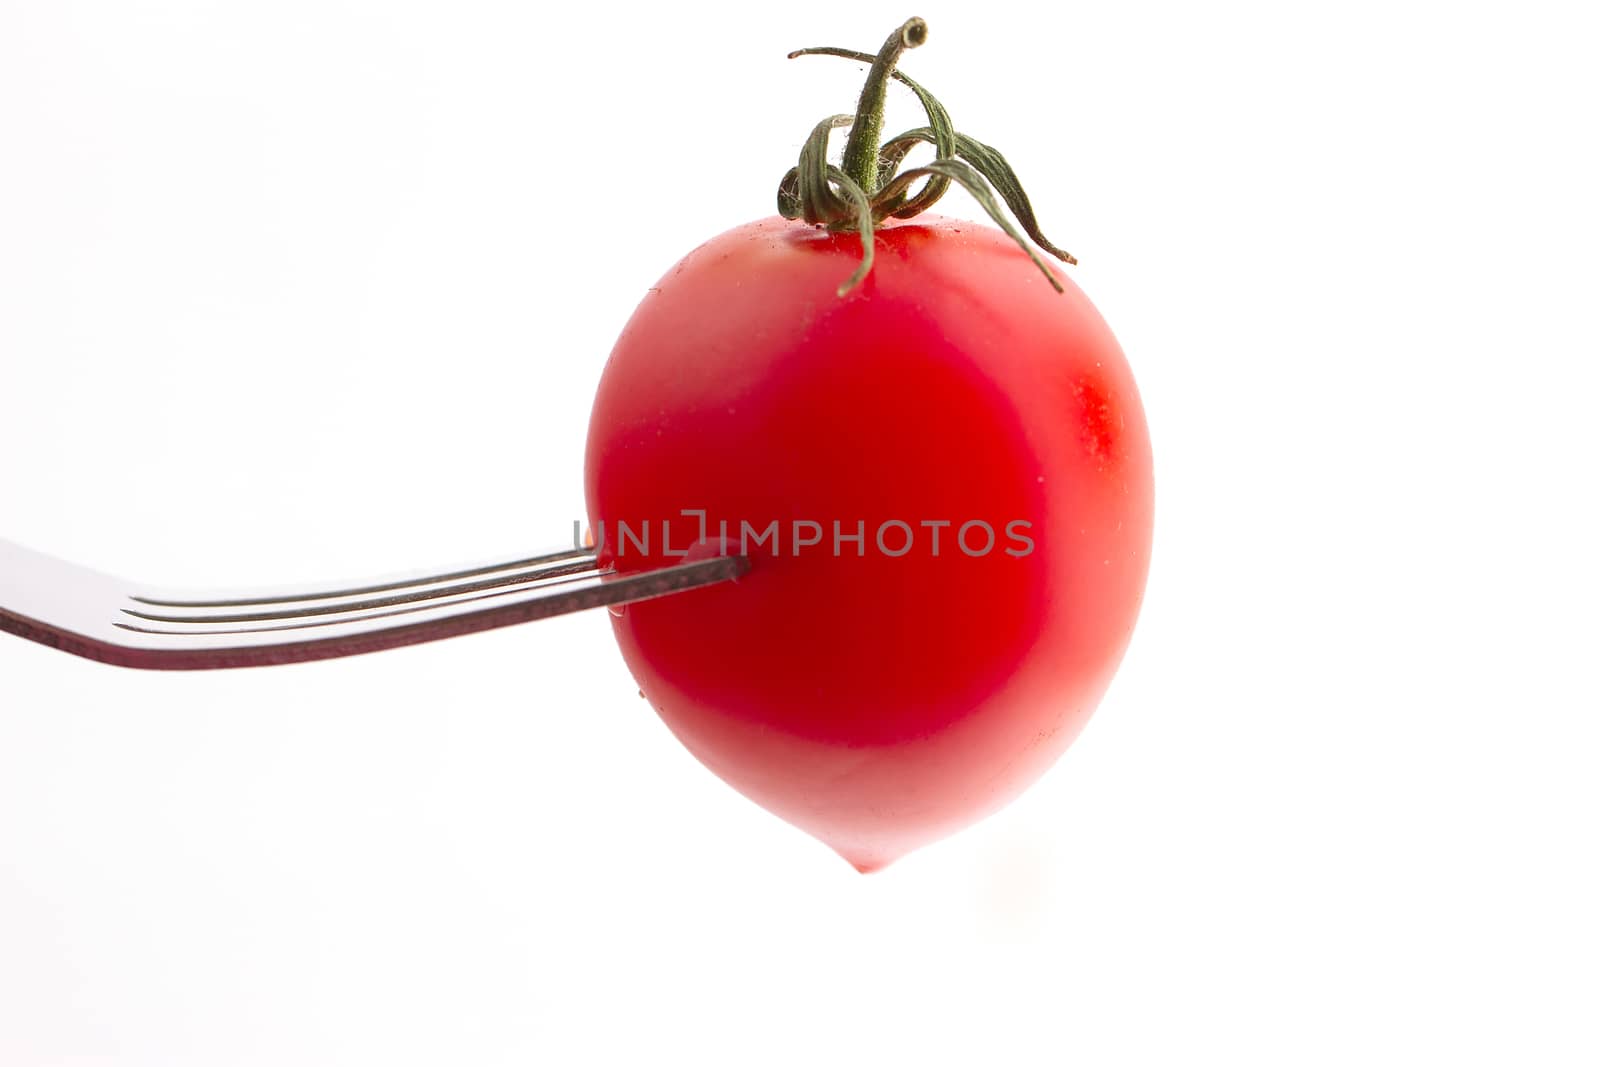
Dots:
pixel 869 187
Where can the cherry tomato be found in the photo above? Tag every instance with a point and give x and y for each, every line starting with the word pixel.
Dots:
pixel 978 430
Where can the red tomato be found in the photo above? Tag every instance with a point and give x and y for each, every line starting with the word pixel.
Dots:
pixel 877 700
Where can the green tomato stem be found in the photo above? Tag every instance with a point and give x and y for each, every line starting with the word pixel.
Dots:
pixel 860 160
pixel 868 186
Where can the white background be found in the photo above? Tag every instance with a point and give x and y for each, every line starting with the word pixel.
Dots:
pixel 304 290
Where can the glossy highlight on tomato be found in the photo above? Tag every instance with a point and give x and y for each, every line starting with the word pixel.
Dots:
pixel 877 701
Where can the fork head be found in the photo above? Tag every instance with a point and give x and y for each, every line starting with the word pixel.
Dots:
pixel 104 618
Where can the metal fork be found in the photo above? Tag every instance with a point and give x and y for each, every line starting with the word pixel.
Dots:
pixel 103 618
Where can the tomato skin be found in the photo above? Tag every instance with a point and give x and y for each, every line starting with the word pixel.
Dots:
pixel 878 702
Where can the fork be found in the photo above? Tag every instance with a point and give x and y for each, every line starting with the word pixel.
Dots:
pixel 100 617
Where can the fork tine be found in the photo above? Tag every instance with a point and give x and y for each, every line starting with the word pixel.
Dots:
pixel 197 649
pixel 207 625
pixel 328 614
pixel 552 561
pixel 564 566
